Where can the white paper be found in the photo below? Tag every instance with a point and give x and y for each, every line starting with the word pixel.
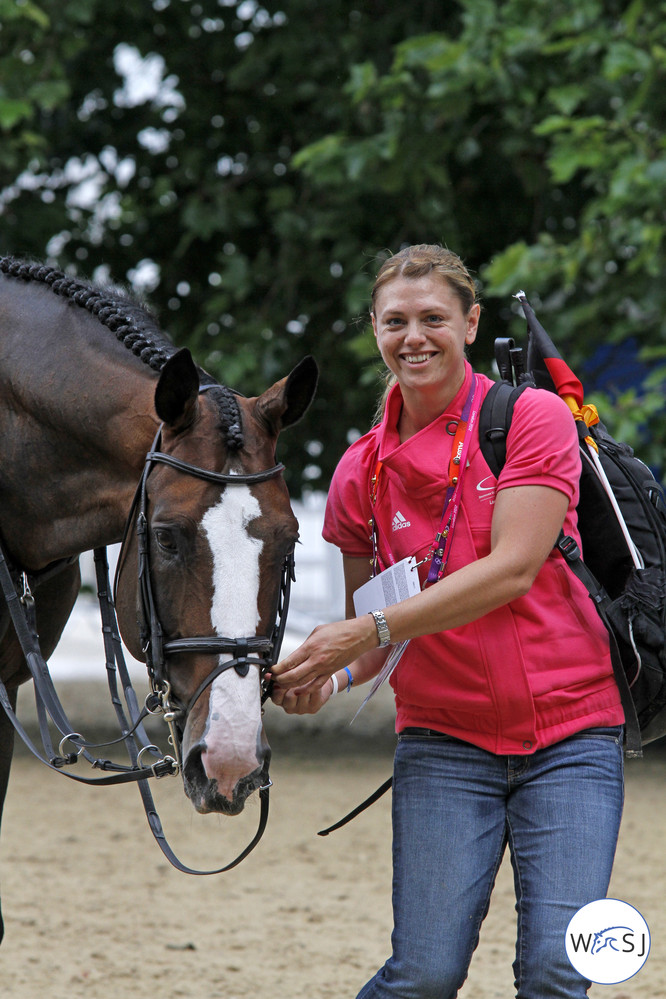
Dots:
pixel 391 586
pixel 384 673
pixel 397 583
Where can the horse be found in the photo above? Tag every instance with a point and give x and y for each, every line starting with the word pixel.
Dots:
pixel 110 433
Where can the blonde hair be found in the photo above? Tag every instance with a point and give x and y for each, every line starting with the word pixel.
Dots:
pixel 416 262
pixel 426 258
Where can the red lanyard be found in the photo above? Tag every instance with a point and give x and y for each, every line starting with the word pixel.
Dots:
pixel 457 464
pixel 441 548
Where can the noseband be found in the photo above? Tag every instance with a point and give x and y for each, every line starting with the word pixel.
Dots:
pixel 255 650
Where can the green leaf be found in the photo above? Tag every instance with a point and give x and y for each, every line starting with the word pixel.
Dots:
pixel 13 111
pixel 567 98
pixel 623 59
pixel 11 10
pixel 48 94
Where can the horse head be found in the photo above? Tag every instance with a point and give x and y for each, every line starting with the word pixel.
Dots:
pixel 200 576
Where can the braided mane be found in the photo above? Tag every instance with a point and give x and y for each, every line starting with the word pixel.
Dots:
pixel 133 325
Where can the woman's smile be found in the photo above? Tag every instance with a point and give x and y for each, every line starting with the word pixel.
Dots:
pixel 417 358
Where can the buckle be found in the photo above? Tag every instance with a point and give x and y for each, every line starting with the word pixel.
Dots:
pixel 569 548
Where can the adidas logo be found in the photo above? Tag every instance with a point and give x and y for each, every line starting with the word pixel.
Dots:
pixel 399 522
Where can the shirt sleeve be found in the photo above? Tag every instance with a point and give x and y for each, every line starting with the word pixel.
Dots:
pixel 542 445
pixel 348 508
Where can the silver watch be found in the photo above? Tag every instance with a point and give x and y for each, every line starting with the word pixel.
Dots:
pixel 383 632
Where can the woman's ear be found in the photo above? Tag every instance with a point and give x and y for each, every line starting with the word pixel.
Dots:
pixel 472 323
pixel 373 319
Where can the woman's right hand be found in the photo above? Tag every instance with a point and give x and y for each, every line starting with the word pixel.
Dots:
pixel 305 700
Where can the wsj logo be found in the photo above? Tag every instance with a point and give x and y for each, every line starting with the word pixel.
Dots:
pixel 620 939
pixel 611 955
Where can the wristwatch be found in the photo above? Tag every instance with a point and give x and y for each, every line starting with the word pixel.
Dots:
pixel 383 632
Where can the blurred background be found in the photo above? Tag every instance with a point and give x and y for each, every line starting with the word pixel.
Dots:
pixel 246 166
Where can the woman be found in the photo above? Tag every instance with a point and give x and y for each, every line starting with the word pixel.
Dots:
pixel 508 716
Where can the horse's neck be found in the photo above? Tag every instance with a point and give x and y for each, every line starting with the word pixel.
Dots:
pixel 76 461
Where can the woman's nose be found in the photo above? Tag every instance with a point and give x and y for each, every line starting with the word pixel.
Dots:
pixel 414 332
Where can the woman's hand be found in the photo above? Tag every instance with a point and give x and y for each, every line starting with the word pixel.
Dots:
pixel 329 648
pixel 305 700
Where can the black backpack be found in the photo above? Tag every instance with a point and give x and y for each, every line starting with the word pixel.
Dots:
pixel 622 524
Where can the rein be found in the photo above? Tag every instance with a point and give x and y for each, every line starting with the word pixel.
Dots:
pixel 15 587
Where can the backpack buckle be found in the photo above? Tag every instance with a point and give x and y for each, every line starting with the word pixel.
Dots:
pixel 569 548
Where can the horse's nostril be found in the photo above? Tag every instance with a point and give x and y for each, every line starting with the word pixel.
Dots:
pixel 226 795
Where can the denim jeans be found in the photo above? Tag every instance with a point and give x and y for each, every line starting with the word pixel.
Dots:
pixel 455 807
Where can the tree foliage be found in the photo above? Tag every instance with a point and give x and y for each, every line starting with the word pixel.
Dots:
pixel 246 164
pixel 535 133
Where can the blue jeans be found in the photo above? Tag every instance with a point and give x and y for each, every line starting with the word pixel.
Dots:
pixel 455 807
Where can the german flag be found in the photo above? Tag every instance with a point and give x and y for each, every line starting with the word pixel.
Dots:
pixel 546 364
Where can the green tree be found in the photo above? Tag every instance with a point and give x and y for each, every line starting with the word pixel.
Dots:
pixel 167 161
pixel 248 163
pixel 533 132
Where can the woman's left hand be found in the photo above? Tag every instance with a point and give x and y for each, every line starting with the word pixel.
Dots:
pixel 329 648
pixel 305 700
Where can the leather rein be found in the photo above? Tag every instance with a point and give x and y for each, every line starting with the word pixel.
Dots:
pixel 253 650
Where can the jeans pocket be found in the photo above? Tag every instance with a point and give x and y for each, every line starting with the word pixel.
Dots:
pixel 612 733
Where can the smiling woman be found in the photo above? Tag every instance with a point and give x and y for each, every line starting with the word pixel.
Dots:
pixel 508 717
pixel 422 331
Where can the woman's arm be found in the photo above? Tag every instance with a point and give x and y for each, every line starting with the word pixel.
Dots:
pixel 526 523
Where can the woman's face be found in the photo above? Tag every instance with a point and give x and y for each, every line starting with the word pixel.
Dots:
pixel 422 332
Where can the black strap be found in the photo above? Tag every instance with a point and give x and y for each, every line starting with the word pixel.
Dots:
pixel 494 423
pixel 48 705
pixel 572 554
pixel 124 777
pixel 375 796
pixel 223 478
pixel 161 840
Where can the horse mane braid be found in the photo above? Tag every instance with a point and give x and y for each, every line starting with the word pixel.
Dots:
pixel 132 323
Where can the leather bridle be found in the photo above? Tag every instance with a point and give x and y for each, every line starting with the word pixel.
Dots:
pixel 253 650
pixel 258 650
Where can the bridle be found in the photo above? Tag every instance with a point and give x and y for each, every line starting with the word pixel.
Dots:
pixel 258 650
pixel 253 650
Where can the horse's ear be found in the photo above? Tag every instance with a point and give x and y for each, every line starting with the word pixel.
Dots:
pixel 177 391
pixel 285 402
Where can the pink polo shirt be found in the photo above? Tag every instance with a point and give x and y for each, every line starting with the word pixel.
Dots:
pixel 529 673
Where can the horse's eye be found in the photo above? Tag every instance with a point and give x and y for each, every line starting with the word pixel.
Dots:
pixel 166 541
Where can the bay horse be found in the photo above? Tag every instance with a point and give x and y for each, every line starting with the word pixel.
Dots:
pixel 89 386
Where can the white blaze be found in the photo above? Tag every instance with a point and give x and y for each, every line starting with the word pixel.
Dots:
pixel 234 714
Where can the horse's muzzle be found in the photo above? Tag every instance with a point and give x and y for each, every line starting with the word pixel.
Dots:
pixel 228 792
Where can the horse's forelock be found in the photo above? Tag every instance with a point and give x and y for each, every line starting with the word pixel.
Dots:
pixel 229 415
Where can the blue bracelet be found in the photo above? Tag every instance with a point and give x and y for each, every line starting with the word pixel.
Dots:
pixel 350 680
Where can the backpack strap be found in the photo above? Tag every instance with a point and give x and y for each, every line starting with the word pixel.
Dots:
pixel 495 421
pixel 572 555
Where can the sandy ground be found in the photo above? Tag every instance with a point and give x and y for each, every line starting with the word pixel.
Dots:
pixel 93 910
